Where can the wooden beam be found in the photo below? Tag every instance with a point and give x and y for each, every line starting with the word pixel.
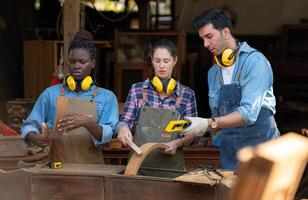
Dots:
pixel 71 25
pixel 136 160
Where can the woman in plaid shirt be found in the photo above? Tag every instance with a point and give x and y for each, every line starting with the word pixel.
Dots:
pixel 149 107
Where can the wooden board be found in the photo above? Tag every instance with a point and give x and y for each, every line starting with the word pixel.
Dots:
pixel 63 187
pixel 15 185
pixel 72 181
pixel 81 169
pixel 134 147
pixel 152 188
pixel 40 59
pixel 11 146
pixel 272 170
pixel 136 160
pixel 99 182
pixel 200 178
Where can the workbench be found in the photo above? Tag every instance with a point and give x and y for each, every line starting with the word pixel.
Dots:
pixel 99 182
pixel 194 156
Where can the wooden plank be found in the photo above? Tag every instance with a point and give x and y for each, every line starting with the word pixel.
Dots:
pixel 81 169
pixel 137 150
pixel 40 59
pixel 272 170
pixel 57 187
pixel 152 188
pixel 202 178
pixel 136 160
pixel 71 25
pixel 12 146
pixel 15 185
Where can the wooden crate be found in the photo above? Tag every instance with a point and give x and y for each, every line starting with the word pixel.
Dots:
pixel 15 185
pixel 72 181
pixel 18 110
pixel 12 146
pixel 152 188
pixel 99 182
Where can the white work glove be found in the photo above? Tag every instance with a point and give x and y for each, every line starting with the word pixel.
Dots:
pixel 197 127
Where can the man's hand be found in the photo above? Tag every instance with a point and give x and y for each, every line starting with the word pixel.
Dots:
pixel 197 127
pixel 125 135
pixel 73 121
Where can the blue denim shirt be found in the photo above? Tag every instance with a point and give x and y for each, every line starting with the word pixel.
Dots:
pixel 254 73
pixel 45 110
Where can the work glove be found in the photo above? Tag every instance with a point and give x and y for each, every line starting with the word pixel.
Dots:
pixel 198 126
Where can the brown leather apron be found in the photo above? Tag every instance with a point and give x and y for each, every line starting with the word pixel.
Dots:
pixel 76 146
pixel 150 129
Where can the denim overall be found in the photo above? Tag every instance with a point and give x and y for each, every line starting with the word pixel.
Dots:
pixel 233 139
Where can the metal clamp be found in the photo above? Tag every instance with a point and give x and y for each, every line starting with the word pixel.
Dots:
pixel 209 168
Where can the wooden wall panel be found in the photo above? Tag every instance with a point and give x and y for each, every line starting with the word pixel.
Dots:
pixel 40 59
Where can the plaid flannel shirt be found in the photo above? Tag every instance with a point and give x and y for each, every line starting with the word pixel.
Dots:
pixel 187 102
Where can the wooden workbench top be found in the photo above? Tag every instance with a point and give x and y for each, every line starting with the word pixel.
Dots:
pixel 80 169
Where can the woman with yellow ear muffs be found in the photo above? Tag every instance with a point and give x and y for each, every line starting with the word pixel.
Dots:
pixel 87 114
pixel 151 104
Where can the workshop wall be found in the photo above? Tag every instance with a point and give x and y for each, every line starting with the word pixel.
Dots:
pixel 256 17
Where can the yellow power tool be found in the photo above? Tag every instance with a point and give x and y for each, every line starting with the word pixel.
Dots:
pixel 176 126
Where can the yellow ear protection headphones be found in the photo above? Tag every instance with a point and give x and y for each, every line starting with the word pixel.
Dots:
pixel 84 85
pixel 228 57
pixel 163 86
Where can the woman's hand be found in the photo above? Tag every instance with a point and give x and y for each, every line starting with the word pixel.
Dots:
pixel 73 121
pixel 39 140
pixel 172 147
pixel 124 135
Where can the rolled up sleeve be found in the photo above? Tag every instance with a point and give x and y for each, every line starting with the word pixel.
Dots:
pixel 108 118
pixel 37 116
pixel 257 81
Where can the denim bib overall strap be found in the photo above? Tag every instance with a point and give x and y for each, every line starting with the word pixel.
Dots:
pixel 233 139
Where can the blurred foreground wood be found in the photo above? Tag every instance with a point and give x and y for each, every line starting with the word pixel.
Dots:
pixel 272 170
